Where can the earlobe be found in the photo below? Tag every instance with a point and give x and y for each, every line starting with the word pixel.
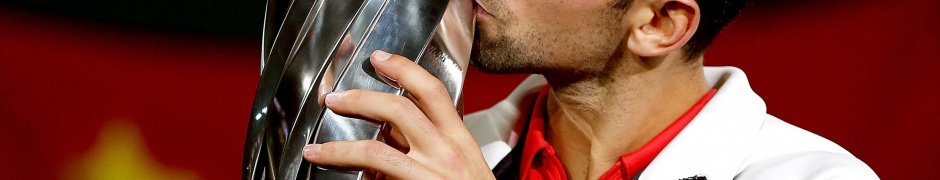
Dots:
pixel 663 28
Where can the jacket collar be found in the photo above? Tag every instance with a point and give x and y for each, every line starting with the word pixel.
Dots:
pixel 715 143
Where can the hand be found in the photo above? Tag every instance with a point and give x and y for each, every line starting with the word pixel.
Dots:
pixel 432 141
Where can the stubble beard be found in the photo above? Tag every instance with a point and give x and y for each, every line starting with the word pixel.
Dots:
pixel 501 54
pixel 532 51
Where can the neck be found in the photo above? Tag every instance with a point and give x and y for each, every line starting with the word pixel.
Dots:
pixel 593 121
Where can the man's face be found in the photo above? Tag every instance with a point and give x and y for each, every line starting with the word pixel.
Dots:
pixel 546 36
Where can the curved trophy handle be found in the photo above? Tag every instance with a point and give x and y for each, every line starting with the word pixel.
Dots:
pixel 326 48
pixel 280 32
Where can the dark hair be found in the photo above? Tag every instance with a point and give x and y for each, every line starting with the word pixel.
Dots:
pixel 715 15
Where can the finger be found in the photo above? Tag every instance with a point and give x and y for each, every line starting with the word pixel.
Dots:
pixel 366 154
pixel 431 95
pixel 398 111
pixel 326 84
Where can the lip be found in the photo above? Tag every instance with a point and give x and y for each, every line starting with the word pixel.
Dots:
pixel 481 11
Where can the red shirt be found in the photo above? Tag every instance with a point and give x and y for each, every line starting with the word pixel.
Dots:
pixel 539 160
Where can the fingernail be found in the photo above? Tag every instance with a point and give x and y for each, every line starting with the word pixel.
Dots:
pixel 332 98
pixel 311 149
pixel 379 55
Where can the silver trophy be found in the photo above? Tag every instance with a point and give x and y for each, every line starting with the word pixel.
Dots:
pixel 313 47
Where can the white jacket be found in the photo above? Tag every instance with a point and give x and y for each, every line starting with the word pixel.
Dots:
pixel 733 137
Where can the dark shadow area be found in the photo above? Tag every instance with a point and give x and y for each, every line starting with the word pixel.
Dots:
pixel 219 17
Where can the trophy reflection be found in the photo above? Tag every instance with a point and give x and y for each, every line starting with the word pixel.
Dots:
pixel 313 47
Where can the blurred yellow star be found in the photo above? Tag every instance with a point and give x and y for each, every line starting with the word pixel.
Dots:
pixel 119 154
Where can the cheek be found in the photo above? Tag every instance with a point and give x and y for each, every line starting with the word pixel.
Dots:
pixel 572 30
pixel 556 17
pixel 545 13
pixel 533 18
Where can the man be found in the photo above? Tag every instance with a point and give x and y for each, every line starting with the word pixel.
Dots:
pixel 622 94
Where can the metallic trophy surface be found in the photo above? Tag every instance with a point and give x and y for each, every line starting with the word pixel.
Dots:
pixel 313 47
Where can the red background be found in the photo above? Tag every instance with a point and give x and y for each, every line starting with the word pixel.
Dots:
pixel 863 73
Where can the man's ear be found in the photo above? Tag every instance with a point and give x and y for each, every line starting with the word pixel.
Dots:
pixel 662 27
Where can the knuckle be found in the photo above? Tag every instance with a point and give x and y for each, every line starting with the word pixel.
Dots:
pixel 455 162
pixel 374 149
pixel 403 105
pixel 327 150
pixel 451 160
pixel 437 89
pixel 353 95
pixel 401 62
pixel 408 112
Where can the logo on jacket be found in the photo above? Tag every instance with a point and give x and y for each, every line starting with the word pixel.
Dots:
pixel 696 177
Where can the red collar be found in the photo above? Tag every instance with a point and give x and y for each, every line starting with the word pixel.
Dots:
pixel 539 160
